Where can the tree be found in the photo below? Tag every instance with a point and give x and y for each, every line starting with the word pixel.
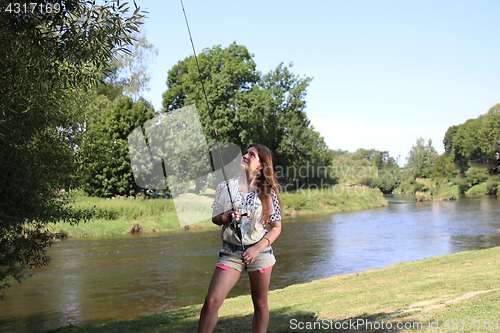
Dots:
pixel 249 107
pixel 43 55
pixel 130 68
pixel 448 139
pixel 370 167
pixel 444 167
pixel 468 143
pixel 285 128
pixel 230 79
pixel 420 157
pixel 104 153
pixel 491 132
pixel 476 141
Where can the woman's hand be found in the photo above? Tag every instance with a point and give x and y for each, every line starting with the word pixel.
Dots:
pixel 236 214
pixel 225 217
pixel 249 255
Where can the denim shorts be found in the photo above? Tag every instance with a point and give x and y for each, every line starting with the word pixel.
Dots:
pixel 230 257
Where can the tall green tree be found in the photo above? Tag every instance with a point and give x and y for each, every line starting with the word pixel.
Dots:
pixel 42 55
pixel 421 158
pixel 444 167
pixel 476 141
pixel 130 69
pixel 468 143
pixel 448 138
pixel 230 79
pixel 249 107
pixel 104 154
pixel 285 127
pixel 491 132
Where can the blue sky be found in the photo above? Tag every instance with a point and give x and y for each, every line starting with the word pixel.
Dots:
pixel 384 72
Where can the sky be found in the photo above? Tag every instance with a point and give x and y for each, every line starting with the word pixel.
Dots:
pixel 385 73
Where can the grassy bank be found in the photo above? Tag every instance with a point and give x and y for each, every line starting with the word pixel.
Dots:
pixel 430 189
pixel 123 215
pixel 428 295
pixel 475 181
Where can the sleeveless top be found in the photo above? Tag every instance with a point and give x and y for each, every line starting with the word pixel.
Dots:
pixel 250 208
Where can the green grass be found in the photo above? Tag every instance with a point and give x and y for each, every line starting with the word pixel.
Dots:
pixel 475 182
pixel 430 189
pixel 478 189
pixel 433 291
pixel 122 215
pixel 337 199
pixel 447 192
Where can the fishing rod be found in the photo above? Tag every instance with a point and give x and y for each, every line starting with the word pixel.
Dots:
pixel 234 223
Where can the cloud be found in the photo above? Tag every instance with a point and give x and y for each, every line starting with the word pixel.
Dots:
pixel 397 139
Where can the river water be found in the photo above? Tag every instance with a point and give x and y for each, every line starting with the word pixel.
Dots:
pixel 114 278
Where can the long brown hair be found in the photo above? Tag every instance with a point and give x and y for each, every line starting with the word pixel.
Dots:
pixel 266 181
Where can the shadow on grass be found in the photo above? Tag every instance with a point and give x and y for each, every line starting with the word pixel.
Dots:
pixel 185 320
pixel 299 321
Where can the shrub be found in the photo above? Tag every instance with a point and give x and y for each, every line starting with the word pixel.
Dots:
pixel 477 189
pixel 492 185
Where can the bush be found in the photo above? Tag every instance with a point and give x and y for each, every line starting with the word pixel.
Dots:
pixel 423 196
pixel 478 189
pixel 476 175
pixel 409 187
pixel 492 185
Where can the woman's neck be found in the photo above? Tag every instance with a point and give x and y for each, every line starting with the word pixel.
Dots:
pixel 251 183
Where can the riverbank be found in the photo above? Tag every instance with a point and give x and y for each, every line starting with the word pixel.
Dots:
pixel 455 292
pixel 122 215
pixel 474 182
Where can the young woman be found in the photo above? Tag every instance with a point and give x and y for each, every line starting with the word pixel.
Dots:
pixel 257 206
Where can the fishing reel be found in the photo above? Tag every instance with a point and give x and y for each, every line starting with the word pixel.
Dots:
pixel 233 222
pixel 236 224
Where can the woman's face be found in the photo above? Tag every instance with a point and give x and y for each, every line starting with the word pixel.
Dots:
pixel 251 160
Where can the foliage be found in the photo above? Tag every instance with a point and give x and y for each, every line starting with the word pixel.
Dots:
pixel 285 128
pixel 104 154
pixel 370 167
pixel 249 107
pixel 120 215
pixel 426 189
pixel 492 185
pixel 420 160
pixel 477 189
pixel 444 167
pixel 476 175
pixel 130 68
pixel 334 199
pixel 408 187
pixel 42 56
pixel 469 163
pixel 477 141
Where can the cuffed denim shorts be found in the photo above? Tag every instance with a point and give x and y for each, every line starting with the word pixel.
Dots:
pixel 230 257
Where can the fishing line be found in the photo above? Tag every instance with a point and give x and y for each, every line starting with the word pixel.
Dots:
pixel 211 118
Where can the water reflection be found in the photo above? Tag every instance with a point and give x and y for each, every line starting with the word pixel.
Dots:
pixel 110 278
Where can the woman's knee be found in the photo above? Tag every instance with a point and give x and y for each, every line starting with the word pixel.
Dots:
pixel 260 304
pixel 212 303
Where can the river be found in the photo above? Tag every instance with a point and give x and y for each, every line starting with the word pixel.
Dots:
pixel 113 278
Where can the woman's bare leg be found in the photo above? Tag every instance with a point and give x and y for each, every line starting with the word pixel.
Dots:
pixel 222 282
pixel 259 283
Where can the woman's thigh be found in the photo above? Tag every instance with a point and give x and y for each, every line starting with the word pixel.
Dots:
pixel 221 284
pixel 259 285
